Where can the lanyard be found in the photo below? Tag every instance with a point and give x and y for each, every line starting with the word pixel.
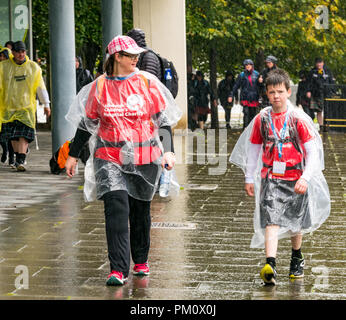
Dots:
pixel 283 132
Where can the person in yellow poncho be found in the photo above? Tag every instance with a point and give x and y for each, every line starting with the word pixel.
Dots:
pixel 20 81
pixel 8 153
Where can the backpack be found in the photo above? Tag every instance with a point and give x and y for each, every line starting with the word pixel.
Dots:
pixel 57 162
pixel 169 75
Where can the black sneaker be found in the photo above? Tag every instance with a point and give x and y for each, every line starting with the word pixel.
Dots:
pixel 268 274
pixel 20 162
pixel 297 267
pixel 20 166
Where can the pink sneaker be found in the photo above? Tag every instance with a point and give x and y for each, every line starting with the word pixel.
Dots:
pixel 116 278
pixel 141 269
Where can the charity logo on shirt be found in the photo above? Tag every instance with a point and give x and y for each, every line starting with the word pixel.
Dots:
pixel 134 107
pixel 135 102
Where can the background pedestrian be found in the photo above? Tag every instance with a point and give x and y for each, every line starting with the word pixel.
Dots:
pixel 271 64
pixel 83 76
pixel 202 94
pixel 320 79
pixel 21 81
pixel 224 90
pixel 148 60
pixel 301 98
pixel 249 91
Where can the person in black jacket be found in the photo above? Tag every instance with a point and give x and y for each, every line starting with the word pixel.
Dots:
pixel 318 80
pixel 301 98
pixel 224 89
pixel 202 91
pixel 191 114
pixel 148 61
pixel 83 76
pixel 271 64
pixel 247 82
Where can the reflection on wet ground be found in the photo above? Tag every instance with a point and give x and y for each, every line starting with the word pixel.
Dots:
pixel 200 240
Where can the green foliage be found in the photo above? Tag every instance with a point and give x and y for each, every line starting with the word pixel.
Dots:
pixel 88 29
pixel 238 29
pixel 127 15
pixel 254 28
pixel 40 30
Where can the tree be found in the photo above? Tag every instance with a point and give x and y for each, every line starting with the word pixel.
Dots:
pixel 255 28
pixel 204 27
pixel 88 31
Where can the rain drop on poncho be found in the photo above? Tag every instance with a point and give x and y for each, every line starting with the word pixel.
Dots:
pixel 123 116
pixel 315 204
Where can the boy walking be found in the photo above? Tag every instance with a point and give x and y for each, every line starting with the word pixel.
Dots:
pixel 281 154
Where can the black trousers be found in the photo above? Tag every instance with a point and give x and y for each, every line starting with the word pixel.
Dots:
pixel 249 114
pixel 7 148
pixel 119 208
pixel 227 109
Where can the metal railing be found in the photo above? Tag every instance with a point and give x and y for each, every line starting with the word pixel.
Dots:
pixel 335 108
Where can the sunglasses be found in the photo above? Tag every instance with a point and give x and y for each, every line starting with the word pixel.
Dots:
pixel 131 56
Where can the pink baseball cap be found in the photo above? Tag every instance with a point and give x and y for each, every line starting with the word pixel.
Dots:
pixel 124 43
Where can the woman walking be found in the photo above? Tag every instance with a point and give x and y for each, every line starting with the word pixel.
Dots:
pixel 126 115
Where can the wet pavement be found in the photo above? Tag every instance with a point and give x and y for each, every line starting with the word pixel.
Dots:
pixel 53 245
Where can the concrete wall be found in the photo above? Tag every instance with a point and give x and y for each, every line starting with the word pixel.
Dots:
pixel 163 22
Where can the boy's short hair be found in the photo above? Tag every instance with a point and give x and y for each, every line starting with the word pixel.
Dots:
pixel 277 77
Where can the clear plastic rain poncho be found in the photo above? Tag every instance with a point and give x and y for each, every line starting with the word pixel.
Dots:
pixel 123 116
pixel 18 88
pixel 306 212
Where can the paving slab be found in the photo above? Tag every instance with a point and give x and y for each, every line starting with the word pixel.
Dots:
pixel 200 241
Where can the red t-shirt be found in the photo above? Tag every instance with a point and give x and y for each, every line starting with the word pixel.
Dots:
pixel 125 109
pixel 290 155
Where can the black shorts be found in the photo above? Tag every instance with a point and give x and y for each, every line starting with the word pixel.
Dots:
pixel 16 129
pixel 280 205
